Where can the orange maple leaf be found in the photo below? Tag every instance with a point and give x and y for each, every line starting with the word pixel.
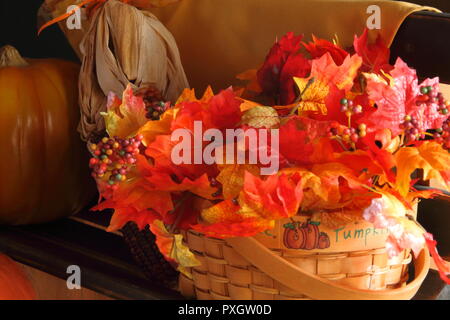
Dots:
pixel 325 70
pixel 429 156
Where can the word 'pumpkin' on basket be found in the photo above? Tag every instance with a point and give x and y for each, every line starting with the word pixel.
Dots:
pixel 314 199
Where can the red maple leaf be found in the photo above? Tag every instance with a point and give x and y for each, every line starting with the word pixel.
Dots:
pixel 270 74
pixel 318 47
pixel 224 109
pixel 296 66
pixel 375 56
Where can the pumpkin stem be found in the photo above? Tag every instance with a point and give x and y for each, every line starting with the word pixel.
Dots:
pixel 10 57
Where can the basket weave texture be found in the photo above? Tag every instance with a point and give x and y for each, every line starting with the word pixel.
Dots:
pixel 224 274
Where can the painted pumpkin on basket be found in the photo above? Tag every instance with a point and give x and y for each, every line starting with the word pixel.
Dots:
pixel 14 284
pixel 43 167
pixel 312 236
pixel 295 237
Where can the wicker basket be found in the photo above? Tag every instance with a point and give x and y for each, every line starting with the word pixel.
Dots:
pixel 262 269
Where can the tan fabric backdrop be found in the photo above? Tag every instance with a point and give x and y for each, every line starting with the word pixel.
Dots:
pixel 221 38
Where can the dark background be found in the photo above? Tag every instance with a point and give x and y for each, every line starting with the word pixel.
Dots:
pixel 18 27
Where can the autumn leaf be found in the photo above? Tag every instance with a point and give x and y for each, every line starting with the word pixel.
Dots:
pixel 188 95
pixel 369 164
pixel 302 141
pixel 375 56
pixel 231 177
pixel 313 99
pixel 278 196
pixel 296 66
pixel 126 119
pixel 124 213
pixel 164 239
pixel 318 47
pixel 259 204
pixel 269 74
pixel 327 72
pixel 152 129
pixel 224 109
pixel 173 248
pixel 200 186
pixel 182 255
pixel 395 96
pixel 261 117
pixel 248 104
pixel 429 156
pixel 227 219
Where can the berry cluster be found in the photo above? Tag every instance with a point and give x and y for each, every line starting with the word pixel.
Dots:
pixel 215 184
pixel 348 108
pixel 442 135
pixel 154 102
pixel 349 135
pixel 412 130
pixel 113 158
pixel 430 96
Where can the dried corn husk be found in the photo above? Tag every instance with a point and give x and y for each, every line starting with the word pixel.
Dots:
pixel 120 45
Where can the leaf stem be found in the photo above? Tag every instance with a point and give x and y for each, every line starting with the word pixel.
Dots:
pixel 299 98
pixel 338 139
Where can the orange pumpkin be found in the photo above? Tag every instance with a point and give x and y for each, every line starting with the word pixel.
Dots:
pixel 14 284
pixel 295 238
pixel 43 168
pixel 324 241
pixel 312 236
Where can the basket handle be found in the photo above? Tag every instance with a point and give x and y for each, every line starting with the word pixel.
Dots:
pixel 316 287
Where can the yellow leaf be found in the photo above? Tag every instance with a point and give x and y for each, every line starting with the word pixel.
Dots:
pixel 188 95
pixel 247 105
pixel 125 120
pixel 152 129
pixel 231 177
pixel 172 247
pixel 181 253
pixel 313 99
pixel 260 116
